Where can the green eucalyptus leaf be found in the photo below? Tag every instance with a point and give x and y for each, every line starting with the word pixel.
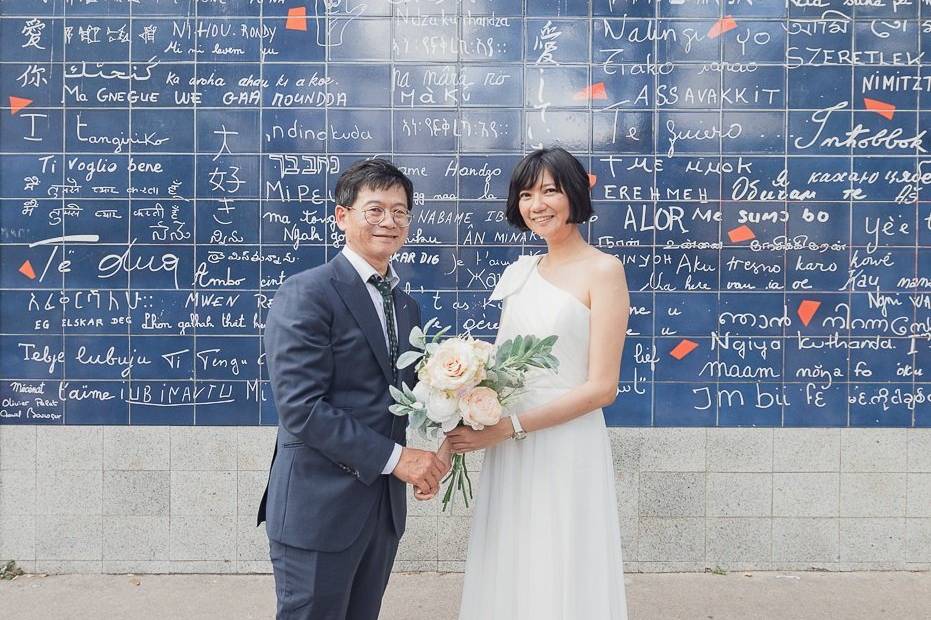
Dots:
pixel 504 351
pixel 397 395
pixel 407 358
pixel 416 337
pixel 439 334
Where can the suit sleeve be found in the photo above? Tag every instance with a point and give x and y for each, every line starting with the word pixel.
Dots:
pixel 300 366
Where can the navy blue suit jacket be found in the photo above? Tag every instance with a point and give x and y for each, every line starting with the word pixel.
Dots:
pixel 329 370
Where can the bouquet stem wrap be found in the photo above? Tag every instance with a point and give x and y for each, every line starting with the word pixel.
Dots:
pixel 458 478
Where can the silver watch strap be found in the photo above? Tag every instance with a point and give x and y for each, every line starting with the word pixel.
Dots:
pixel 518 429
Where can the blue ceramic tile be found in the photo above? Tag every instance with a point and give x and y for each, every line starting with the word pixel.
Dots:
pixel 40 40
pixel 759 132
pixel 632 8
pixel 104 406
pixel 148 400
pixel 762 89
pixel 684 404
pixel 762 42
pixel 557 87
pixel 351 39
pixel 550 41
pixel 687 40
pixel 495 39
pixel 622 131
pixel 32 357
pixel 880 404
pixel 757 404
pixel 557 8
pixel 492 85
pixel 815 404
pixel 31 402
pixel 170 357
pixel 616 41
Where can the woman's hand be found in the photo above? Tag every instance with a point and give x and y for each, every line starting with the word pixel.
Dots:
pixel 445 453
pixel 464 439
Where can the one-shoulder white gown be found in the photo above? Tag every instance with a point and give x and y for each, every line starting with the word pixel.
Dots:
pixel 545 541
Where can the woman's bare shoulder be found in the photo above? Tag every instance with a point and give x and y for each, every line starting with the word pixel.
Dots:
pixel 604 265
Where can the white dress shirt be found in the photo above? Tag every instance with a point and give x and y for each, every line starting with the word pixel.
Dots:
pixel 365 271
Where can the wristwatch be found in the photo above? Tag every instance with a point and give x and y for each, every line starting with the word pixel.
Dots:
pixel 519 432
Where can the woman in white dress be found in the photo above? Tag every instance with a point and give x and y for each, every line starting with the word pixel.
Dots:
pixel 545 541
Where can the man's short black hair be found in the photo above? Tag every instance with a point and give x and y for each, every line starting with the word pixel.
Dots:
pixel 374 174
pixel 568 174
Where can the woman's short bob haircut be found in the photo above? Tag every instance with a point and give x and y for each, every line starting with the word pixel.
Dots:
pixel 568 174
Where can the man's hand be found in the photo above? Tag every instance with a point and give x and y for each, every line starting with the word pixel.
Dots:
pixel 421 468
pixel 446 456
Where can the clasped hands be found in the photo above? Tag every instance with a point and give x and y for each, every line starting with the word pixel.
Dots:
pixel 425 470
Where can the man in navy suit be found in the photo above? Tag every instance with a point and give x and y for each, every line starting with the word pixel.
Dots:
pixel 335 504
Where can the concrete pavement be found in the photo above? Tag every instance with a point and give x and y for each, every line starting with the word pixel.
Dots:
pixel 433 596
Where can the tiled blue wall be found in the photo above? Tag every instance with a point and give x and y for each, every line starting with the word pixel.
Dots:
pixel 760 168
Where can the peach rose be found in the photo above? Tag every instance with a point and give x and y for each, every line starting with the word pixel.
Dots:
pixel 480 408
pixel 454 366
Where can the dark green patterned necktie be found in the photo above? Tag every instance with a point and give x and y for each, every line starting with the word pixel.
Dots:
pixel 384 287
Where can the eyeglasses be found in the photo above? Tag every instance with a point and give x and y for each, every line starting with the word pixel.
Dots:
pixel 376 215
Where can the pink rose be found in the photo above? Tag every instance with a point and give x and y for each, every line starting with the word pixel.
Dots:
pixel 480 408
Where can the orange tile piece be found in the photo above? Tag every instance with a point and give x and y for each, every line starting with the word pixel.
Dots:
pixel 297 19
pixel 886 110
pixel 721 26
pixel 683 348
pixel 27 270
pixel 592 179
pixel 18 103
pixel 741 233
pixel 807 309
pixel 595 91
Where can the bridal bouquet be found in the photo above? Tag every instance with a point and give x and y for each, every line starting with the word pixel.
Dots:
pixel 464 381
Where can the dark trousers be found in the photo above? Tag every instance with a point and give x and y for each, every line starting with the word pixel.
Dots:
pixel 346 585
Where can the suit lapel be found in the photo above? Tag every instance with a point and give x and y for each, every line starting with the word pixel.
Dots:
pixel 355 295
pixel 406 315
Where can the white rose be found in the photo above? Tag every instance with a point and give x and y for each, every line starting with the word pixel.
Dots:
pixel 486 351
pixel 480 408
pixel 454 366
pixel 441 407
